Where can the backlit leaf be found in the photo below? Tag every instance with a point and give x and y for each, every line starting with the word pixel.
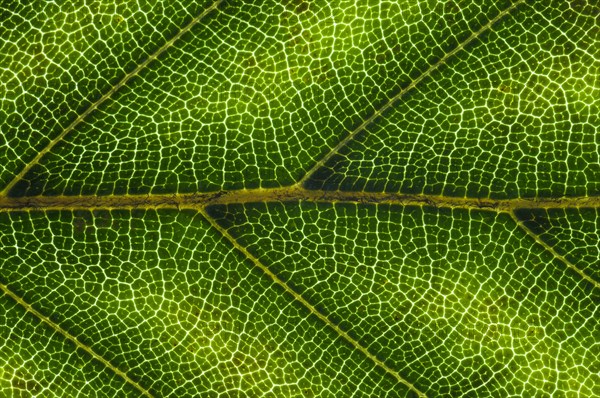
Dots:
pixel 299 198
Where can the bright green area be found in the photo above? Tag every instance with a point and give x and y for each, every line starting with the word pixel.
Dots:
pixel 58 57
pixel 573 233
pixel 515 114
pixel 254 95
pixel 37 361
pixel 461 303
pixel 161 296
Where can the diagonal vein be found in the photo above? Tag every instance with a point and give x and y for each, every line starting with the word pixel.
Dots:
pixel 551 250
pixel 408 88
pixel 56 327
pixel 108 94
pixel 309 306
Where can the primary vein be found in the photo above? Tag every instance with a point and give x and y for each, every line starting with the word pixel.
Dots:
pixel 286 194
pixel 403 92
pixel 107 95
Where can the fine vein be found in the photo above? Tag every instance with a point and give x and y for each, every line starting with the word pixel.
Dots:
pixel 310 307
pixel 403 92
pixel 56 327
pixel 107 95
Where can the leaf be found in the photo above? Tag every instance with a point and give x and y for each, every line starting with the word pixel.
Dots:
pixel 299 198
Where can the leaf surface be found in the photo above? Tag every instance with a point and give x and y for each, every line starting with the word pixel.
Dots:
pixel 161 296
pixel 252 96
pixel 515 114
pixel 463 302
pixel 57 59
pixel 299 198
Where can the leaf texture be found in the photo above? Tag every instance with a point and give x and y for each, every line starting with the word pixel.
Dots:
pixel 59 58
pixel 515 114
pixel 462 302
pixel 572 232
pixel 162 296
pixel 299 198
pixel 269 86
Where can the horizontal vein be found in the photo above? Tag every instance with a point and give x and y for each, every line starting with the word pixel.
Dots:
pixel 72 338
pixel 556 255
pixel 309 306
pixel 107 95
pixel 288 194
pixel 408 88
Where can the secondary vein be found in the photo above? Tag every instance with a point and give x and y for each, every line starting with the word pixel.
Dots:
pixel 551 250
pixel 56 327
pixel 298 297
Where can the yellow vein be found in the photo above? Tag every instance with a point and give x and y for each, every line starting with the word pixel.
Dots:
pixel 550 249
pixel 72 338
pixel 408 88
pixel 108 94
pixel 309 306
pixel 287 194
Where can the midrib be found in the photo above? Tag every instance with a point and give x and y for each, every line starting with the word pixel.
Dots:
pixel 199 201
pixel 287 194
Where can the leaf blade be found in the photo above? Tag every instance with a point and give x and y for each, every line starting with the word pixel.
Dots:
pixel 58 59
pixel 241 104
pixel 161 296
pixel 514 116
pixel 457 301
pixel 55 369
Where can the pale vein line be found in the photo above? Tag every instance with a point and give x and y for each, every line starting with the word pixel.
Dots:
pixel 550 249
pixel 408 88
pixel 107 95
pixel 287 194
pixel 72 338
pixel 309 306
